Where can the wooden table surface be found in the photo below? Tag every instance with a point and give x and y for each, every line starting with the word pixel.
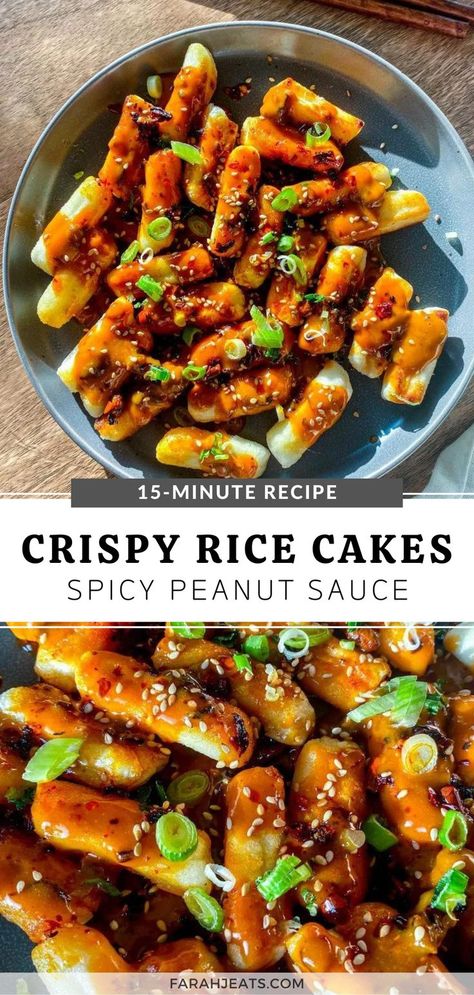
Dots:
pixel 51 47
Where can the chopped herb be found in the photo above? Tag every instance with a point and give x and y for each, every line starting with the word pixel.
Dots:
pixel 157 373
pixel 106 886
pixel 216 450
pixel 20 799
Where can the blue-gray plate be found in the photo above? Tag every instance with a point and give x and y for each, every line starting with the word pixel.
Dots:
pixel 374 436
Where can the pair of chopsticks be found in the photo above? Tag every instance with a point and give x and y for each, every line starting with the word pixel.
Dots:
pixel 448 17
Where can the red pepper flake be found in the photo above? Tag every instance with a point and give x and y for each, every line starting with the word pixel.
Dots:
pixel 104 686
pixel 384 310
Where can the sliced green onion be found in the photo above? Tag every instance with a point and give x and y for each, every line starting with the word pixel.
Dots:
pixel 193 372
pixel 159 228
pixel 379 837
pixel 349 625
pixel 104 886
pixel 292 265
pixel 52 759
pixel 409 703
pixel 419 754
pixel 268 333
pixel 318 636
pixel 258 647
pixel 131 252
pixel 235 349
pixel 187 152
pixel 434 702
pixel 243 662
pixel 284 200
pixel 286 243
pixel 450 892
pixel 287 873
pixel 314 298
pixel 271 236
pixel 216 451
pixel 347 644
pixel 188 788
pixel 318 134
pixel 157 373
pixel 199 226
pixel 154 87
pixel 272 354
pixel 189 630
pixel 188 334
pixel 453 832
pixel 79 174
pixel 293 643
pixel 205 909
pixel 176 836
pixel 150 287
pixel 20 799
pixel 309 900
pixel 373 706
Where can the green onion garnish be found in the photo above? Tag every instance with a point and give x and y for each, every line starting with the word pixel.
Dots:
pixel 309 900
pixel 373 706
pixel 286 243
pixel 302 639
pixel 268 333
pixel 286 199
pixel 403 697
pixel 199 226
pixel 270 236
pixel 176 836
pixel 349 625
pixel 20 799
pixel 258 647
pixel 154 87
pixel 157 373
pixel 377 834
pixel 318 134
pixel 187 152
pixel 159 228
pixel 188 334
pixel 189 630
pixel 193 372
pixel 150 287
pixel 131 252
pixel 347 644
pixel 272 354
pixel 104 886
pixel 204 908
pixel 188 788
pixel 287 873
pixel 419 754
pixel 52 759
pixel 450 892
pixel 434 702
pixel 243 662
pixel 409 703
pixel 292 265
pixel 453 832
pixel 314 298
pixel 216 450
pixel 79 174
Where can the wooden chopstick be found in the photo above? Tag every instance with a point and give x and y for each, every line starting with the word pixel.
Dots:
pixel 450 8
pixel 402 15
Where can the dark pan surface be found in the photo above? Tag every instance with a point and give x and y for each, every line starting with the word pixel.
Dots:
pixel 16 667
pixel 373 437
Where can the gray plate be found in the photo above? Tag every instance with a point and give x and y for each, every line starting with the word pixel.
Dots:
pixel 426 149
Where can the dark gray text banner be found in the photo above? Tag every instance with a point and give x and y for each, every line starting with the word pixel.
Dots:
pixel 193 493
